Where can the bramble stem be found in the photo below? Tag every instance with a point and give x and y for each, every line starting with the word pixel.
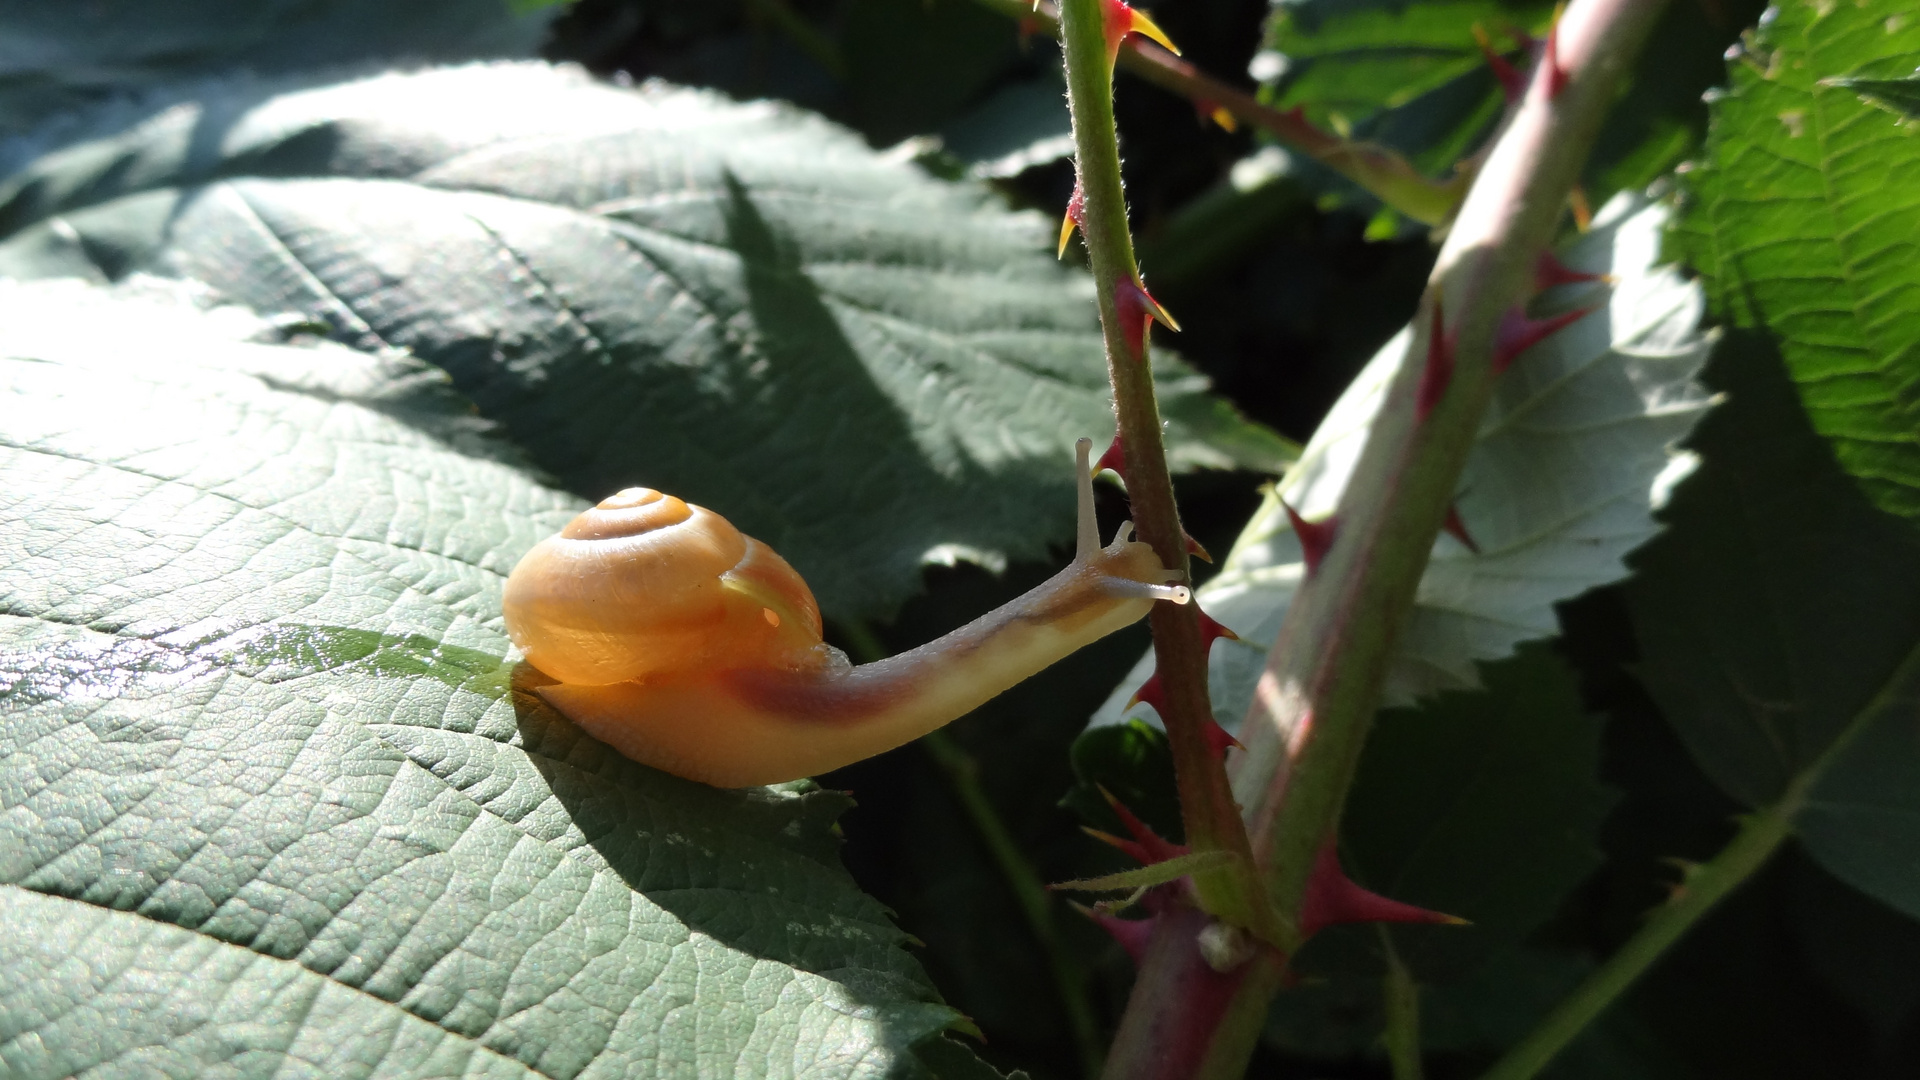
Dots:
pixel 1212 821
pixel 1380 171
pixel 1317 695
pixel 1704 886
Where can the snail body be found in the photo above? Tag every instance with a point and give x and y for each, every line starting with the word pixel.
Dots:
pixel 690 647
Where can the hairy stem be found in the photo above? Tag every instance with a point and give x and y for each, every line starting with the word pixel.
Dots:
pixel 1382 172
pixel 1207 809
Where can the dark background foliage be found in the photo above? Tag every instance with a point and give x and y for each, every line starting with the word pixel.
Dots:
pixel 1284 290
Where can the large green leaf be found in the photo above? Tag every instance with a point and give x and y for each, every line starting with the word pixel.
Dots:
pixel 866 368
pixel 56 57
pixel 1574 454
pixel 1802 221
pixel 1407 74
pixel 269 797
pixel 1779 625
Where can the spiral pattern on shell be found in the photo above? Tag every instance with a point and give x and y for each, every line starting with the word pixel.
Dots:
pixel 646 583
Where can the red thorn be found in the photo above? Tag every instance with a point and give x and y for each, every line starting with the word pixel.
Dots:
pixel 1512 83
pixel 1152 693
pixel 1119 20
pixel 1438 374
pixel 1549 271
pixel 1136 307
pixel 1556 74
pixel 1132 934
pixel 1582 212
pixel 1114 457
pixel 1332 898
pixel 1517 333
pixel 1458 529
pixel 1196 550
pixel 1146 847
pixel 1211 630
pixel 1315 536
pixel 1219 738
pixel 1210 111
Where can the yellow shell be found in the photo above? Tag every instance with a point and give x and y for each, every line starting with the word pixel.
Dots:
pixel 645 583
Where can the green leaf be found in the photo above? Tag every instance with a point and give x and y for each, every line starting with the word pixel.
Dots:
pixel 866 368
pixel 1410 74
pixel 1779 622
pixel 60 57
pixel 1573 456
pixel 1406 74
pixel 1901 96
pixel 1134 764
pixel 268 791
pixel 1801 221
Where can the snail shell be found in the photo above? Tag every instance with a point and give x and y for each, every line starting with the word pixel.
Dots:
pixel 645 583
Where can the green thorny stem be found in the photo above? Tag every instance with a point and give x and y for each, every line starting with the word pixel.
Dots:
pixel 1316 697
pixel 1702 887
pixel 1212 820
pixel 1376 169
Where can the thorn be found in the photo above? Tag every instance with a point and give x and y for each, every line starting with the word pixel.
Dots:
pixel 1114 458
pixel 1577 199
pixel 1332 898
pixel 1146 846
pixel 1512 83
pixel 1121 20
pixel 1556 74
pixel 1438 374
pixel 1152 693
pixel 1136 307
pixel 1315 536
pixel 1549 271
pixel 1075 215
pixel 1457 529
pixel 1208 109
pixel 1132 934
pixel 1212 630
pixel 1218 738
pixel 1517 333
pixel 1195 549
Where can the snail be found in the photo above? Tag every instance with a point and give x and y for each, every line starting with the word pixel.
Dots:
pixel 692 648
